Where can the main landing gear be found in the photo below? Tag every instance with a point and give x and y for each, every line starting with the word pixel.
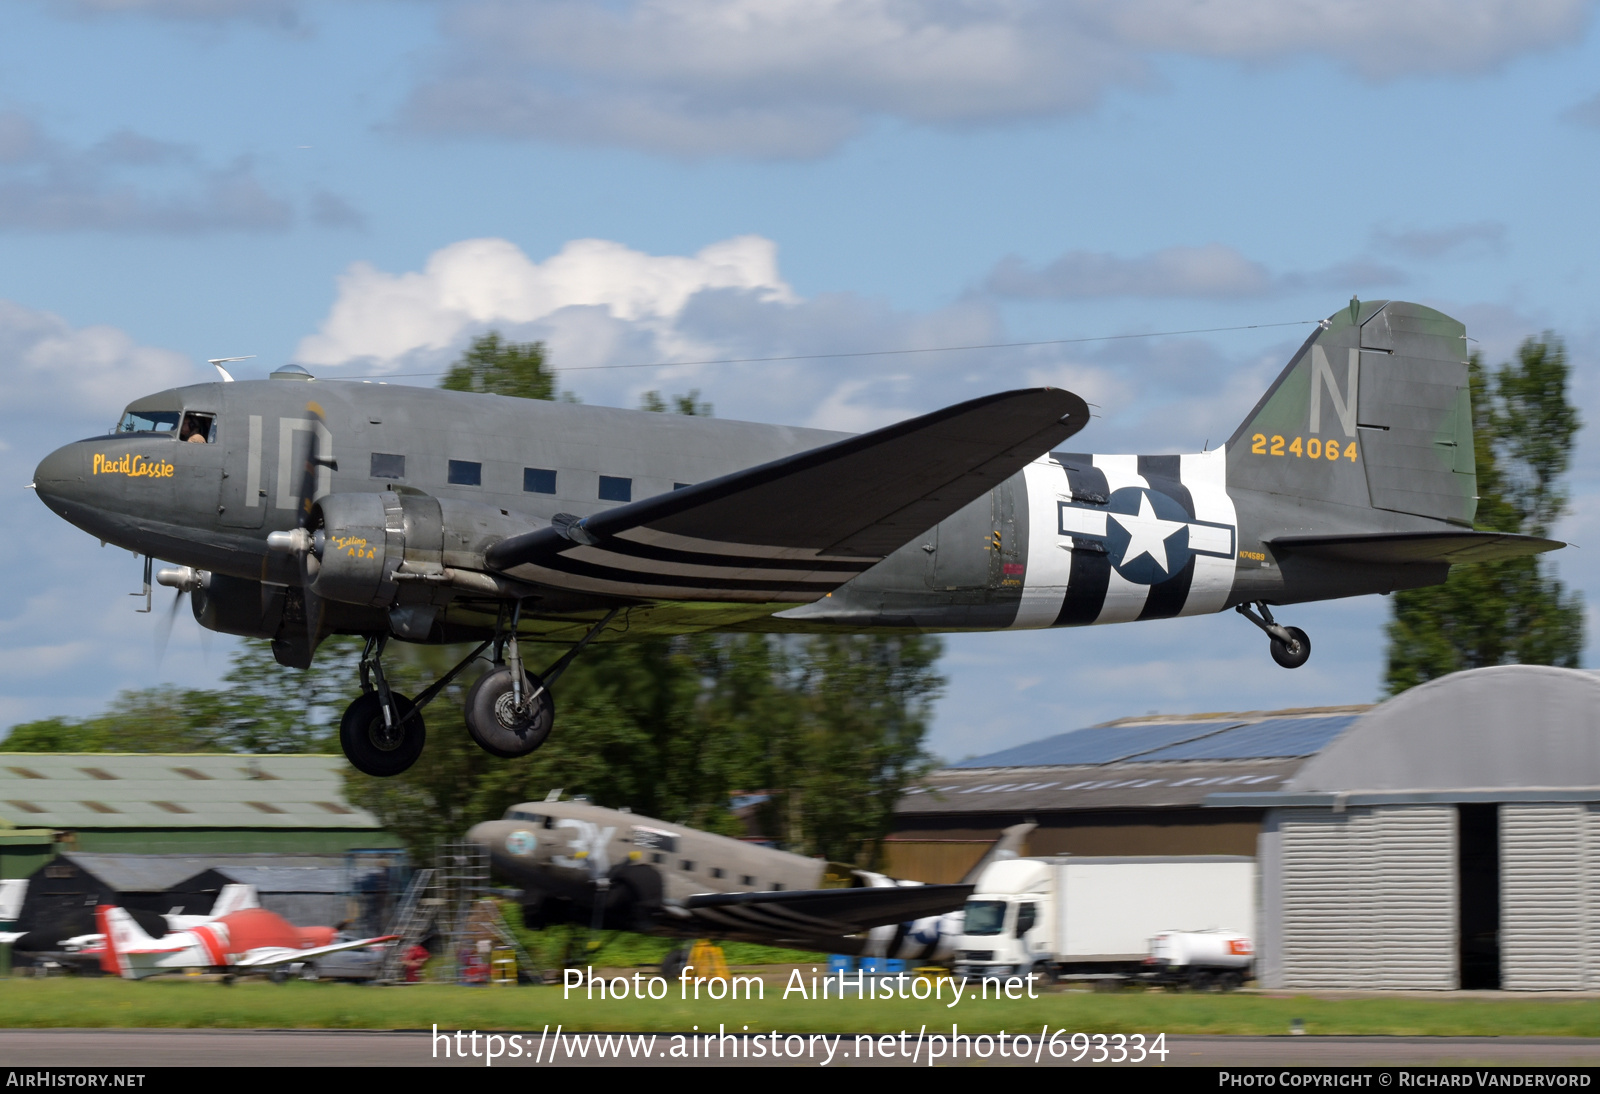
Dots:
pixel 509 711
pixel 1291 647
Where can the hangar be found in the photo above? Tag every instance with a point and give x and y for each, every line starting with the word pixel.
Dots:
pixel 1450 838
pixel 199 803
pixel 1447 838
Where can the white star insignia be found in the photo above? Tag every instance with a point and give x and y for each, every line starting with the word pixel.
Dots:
pixel 1147 533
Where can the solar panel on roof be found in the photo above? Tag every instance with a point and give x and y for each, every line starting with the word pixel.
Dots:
pixel 1261 740
pixel 1099 745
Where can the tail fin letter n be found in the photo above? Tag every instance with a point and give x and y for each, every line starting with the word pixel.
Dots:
pixel 1344 404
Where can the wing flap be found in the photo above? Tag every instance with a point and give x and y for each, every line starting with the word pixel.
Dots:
pixel 799 527
pixel 1408 547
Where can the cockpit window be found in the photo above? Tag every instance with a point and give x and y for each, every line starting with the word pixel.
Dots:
pixel 198 428
pixel 149 421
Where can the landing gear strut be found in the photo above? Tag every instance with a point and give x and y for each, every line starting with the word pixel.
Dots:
pixel 510 711
pixel 382 732
pixel 1291 647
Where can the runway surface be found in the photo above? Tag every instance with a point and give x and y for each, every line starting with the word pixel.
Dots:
pixel 134 1048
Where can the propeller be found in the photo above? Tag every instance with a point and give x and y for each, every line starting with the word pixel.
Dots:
pixel 301 541
pixel 184 579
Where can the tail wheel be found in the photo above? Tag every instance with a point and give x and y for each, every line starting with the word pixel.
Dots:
pixel 1293 653
pixel 375 746
pixel 498 724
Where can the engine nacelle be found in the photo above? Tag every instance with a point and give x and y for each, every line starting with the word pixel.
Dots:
pixel 236 605
pixel 358 542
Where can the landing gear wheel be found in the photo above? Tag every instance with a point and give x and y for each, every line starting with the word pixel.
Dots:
pixel 672 964
pixel 376 748
pixel 498 725
pixel 1293 653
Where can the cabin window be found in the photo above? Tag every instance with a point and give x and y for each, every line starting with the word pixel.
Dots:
pixel 658 858
pixel 613 488
pixel 466 473
pixel 686 865
pixel 538 480
pixel 777 886
pixel 198 428
pixel 149 421
pixel 388 465
pixel 681 485
pixel 717 871
pixel 747 879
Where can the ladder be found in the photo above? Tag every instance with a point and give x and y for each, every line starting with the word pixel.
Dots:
pixel 413 922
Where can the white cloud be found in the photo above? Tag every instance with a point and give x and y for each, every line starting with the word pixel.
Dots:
pixel 128 182
pixel 1214 271
pixel 78 374
pixel 795 78
pixel 1482 238
pixel 1379 39
pixel 383 317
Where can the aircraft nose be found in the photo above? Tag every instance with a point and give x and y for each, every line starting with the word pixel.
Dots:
pixel 480 833
pixel 60 476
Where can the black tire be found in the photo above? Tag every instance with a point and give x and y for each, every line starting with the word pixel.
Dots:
pixel 1293 653
pixel 496 726
pixel 1200 980
pixel 373 748
pixel 1229 981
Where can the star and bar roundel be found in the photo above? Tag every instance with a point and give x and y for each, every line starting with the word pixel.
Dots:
pixel 1147 535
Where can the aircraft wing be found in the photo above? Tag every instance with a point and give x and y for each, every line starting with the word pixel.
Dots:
pixel 818 913
pixel 799 527
pixel 1404 547
pixel 268 956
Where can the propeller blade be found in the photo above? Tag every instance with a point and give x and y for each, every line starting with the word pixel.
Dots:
pixel 164 628
pixel 314 460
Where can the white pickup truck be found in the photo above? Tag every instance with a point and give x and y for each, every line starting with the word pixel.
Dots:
pixel 1098 916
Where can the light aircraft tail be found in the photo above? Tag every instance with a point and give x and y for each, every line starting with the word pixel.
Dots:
pixel 233 898
pixel 122 934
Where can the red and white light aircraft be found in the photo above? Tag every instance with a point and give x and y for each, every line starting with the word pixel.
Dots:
pixel 251 938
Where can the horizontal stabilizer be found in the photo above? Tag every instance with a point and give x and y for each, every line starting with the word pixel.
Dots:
pixel 1406 547
pixel 799 527
pixel 816 912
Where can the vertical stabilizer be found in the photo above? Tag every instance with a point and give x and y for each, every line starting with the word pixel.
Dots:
pixel 1374 411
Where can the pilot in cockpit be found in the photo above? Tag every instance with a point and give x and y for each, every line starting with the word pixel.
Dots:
pixel 196 428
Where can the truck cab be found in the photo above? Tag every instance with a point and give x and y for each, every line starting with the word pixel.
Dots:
pixel 1007 930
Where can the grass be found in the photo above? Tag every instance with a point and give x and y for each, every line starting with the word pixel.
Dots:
pixel 623 949
pixel 254 1004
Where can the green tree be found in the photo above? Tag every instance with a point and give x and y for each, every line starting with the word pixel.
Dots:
pixel 264 708
pixel 1514 611
pixel 491 366
pixel 689 404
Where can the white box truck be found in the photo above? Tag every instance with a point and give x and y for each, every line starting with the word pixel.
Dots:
pixel 1088 916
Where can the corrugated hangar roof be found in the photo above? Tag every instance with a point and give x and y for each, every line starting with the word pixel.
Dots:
pixel 1151 762
pixel 145 790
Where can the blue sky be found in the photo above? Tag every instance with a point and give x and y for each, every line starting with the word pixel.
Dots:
pixel 363 187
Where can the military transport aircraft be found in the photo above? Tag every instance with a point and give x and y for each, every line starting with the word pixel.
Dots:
pixel 298 508
pixel 585 864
